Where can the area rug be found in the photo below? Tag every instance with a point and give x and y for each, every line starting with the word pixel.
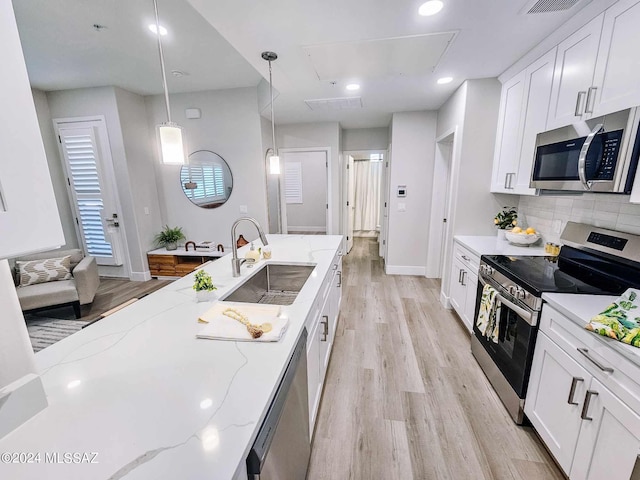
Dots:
pixel 45 331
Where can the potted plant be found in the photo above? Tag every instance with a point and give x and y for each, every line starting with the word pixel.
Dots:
pixel 203 285
pixel 505 220
pixel 169 237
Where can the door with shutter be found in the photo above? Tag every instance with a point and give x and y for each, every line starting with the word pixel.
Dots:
pixel 84 148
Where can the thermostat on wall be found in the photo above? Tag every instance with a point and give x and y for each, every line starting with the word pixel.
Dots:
pixel 402 190
pixel 192 113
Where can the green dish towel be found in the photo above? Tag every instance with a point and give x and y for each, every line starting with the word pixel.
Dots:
pixel 620 320
pixel 488 321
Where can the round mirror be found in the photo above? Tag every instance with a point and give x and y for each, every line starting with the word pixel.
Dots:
pixel 207 179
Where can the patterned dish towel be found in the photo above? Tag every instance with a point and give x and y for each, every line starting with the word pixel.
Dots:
pixel 489 314
pixel 619 321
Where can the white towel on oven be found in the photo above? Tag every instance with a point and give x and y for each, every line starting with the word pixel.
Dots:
pixel 488 321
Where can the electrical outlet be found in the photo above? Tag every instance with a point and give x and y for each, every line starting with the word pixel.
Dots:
pixel 146 210
pixel 244 209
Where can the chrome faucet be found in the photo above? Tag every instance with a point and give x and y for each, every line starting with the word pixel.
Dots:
pixel 235 261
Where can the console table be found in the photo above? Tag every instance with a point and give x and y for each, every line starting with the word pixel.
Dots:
pixel 178 263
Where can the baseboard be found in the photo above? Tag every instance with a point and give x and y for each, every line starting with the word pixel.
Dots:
pixel 444 300
pixel 404 270
pixel 298 228
pixel 140 276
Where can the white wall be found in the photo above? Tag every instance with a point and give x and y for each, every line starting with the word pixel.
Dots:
pixel 272 180
pixel 231 127
pixel 412 160
pixel 365 139
pixel 58 177
pixel 322 134
pixel 311 215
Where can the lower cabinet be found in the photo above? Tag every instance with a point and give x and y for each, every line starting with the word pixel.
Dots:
pixel 321 336
pixel 589 430
pixel 464 284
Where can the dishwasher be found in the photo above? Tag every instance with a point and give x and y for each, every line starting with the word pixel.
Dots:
pixel 282 448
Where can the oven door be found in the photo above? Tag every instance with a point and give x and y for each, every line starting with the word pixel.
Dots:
pixel 517 334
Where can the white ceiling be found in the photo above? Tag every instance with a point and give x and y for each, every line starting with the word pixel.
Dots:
pixel 63 50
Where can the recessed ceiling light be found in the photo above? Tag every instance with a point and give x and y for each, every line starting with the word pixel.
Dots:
pixel 444 80
pixel 353 86
pixel 163 31
pixel 430 8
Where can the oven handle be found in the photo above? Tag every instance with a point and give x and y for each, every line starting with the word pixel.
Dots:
pixel 526 315
pixel 582 159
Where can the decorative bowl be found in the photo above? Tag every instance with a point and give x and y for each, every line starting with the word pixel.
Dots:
pixel 522 239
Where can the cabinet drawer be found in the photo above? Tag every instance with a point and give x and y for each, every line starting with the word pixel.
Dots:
pixel 162 259
pixel 186 268
pixel 624 381
pixel 466 257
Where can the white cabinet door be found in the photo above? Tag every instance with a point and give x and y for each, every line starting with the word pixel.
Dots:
pixel 573 74
pixel 609 442
pixel 29 219
pixel 617 73
pixel 557 387
pixel 537 94
pixel 325 335
pixel 314 384
pixel 457 291
pixel 471 285
pixel 507 151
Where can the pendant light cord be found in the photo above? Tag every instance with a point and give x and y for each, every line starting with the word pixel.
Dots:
pixel 273 125
pixel 164 74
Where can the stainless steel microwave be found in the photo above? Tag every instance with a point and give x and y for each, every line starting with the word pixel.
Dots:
pixel 595 155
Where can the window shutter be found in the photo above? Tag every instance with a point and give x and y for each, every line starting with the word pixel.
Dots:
pixel 293 181
pixel 84 178
pixel 209 180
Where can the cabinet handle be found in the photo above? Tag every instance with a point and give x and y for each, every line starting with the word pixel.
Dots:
pixel 325 328
pixel 585 352
pixel 579 103
pixel 340 279
pixel 572 391
pixel 464 272
pixel 511 177
pixel 460 275
pixel 465 258
pixel 335 266
pixel 589 102
pixel 506 181
pixel 587 401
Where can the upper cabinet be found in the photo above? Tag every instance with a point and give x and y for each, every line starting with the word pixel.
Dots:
pixel 616 83
pixel 572 93
pixel 523 114
pixel 29 219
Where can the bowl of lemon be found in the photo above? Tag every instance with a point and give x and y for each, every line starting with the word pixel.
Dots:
pixel 521 237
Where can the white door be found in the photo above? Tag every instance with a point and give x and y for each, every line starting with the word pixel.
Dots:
pixel 384 227
pixel 84 147
pixel 350 202
pixel 304 192
pixel 573 74
pixel 618 68
pixel 507 151
pixel 555 396
pixel 609 443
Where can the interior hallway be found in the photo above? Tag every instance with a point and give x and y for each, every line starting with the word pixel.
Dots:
pixel 404 398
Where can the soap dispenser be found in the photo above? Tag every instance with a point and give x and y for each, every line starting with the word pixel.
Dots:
pixel 252 254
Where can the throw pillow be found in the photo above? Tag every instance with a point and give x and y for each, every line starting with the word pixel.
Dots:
pixel 41 271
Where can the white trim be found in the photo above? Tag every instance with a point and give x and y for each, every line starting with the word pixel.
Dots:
pixel 444 300
pixel 140 276
pixel 307 228
pixel 283 206
pixel 404 270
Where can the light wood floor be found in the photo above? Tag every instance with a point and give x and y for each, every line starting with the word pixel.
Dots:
pixel 404 398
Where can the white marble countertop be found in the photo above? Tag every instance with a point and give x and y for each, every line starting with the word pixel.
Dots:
pixel 581 308
pixel 150 399
pixel 490 245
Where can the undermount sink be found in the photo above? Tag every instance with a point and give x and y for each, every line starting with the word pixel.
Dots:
pixel 273 283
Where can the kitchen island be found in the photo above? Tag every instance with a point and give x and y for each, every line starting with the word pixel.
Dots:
pixel 143 398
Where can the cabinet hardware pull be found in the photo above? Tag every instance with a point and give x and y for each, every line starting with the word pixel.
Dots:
pixel 579 103
pixel 587 401
pixel 511 177
pixel 464 272
pixel 340 279
pixel 585 352
pixel 572 391
pixel 506 181
pixel 335 266
pixel 589 102
pixel 460 275
pixel 325 328
pixel 465 258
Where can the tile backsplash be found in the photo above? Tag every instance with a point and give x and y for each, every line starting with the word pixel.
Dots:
pixel 549 214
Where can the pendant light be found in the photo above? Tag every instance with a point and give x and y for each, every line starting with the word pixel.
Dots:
pixel 172 146
pixel 274 159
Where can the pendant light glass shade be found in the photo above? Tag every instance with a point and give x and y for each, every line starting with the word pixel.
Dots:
pixel 274 165
pixel 172 147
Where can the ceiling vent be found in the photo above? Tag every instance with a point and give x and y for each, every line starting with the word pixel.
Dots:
pixel 547 6
pixel 343 103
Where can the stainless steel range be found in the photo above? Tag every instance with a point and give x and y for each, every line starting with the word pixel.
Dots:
pixel 592 261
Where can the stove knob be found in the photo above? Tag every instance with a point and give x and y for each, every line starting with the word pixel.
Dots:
pixel 490 270
pixel 512 289
pixel 520 293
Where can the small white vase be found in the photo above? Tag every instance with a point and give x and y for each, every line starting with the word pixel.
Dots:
pixel 205 295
